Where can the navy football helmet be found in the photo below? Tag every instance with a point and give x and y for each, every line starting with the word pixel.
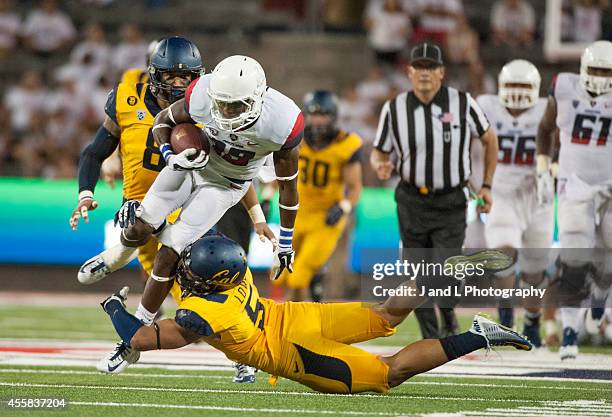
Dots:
pixel 325 103
pixel 175 55
pixel 213 263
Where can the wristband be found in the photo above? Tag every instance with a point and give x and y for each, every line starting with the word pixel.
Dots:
pixel 297 206
pixel 285 242
pixel 86 195
pixel 166 151
pixel 485 185
pixel 289 178
pixel 542 163
pixel 256 214
pixel 346 206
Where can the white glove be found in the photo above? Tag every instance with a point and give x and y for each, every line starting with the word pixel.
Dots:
pixel 181 161
pixel 281 261
pixel 128 213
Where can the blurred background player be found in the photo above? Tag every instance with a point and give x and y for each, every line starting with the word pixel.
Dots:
pixel 516 219
pixel 329 186
pixel 579 105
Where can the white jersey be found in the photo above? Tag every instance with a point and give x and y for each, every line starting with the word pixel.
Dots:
pixel 585 129
pixel 517 141
pixel 239 155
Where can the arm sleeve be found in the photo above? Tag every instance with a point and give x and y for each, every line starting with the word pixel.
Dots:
pixel 477 120
pixel 93 155
pixel 191 321
pixel 383 141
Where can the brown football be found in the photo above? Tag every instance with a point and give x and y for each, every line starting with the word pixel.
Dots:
pixel 187 135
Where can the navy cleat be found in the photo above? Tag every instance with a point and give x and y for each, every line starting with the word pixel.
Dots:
pixel 122 357
pixel 490 260
pixel 245 374
pixel 569 344
pixel 497 335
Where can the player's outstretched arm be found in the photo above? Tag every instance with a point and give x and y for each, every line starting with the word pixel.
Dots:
pixel 286 167
pixel 165 334
pixel 103 145
pixel 171 336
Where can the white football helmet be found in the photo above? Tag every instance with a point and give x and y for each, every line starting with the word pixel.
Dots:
pixel 237 86
pixel 519 71
pixel 596 55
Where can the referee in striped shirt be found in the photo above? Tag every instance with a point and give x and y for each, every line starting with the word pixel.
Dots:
pixel 424 135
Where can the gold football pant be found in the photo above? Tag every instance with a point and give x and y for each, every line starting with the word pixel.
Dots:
pixel 313 346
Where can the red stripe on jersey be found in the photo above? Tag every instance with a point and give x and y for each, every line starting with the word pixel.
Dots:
pixel 296 132
pixel 188 93
pixel 553 86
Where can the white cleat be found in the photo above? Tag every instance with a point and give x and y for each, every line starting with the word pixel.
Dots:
pixel 244 374
pixel 93 270
pixel 569 345
pixel 498 335
pixel 119 359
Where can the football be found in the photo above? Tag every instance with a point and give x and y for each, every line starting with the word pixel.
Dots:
pixel 187 135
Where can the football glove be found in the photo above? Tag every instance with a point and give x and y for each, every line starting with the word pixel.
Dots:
pixel 545 188
pixel 182 161
pixel 128 213
pixel 120 296
pixel 282 260
pixel 334 214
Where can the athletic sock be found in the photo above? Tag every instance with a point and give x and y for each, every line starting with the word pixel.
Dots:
pixel 125 324
pixel 118 256
pixel 532 319
pixel 144 315
pixel 462 344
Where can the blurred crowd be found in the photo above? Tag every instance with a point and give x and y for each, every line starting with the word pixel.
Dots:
pixel 48 116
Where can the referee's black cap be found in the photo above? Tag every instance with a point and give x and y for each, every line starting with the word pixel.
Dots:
pixel 426 52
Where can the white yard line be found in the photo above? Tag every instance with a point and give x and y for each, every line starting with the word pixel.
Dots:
pixel 219 408
pixel 266 392
pixel 182 376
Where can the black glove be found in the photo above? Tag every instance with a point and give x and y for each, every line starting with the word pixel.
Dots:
pixel 334 214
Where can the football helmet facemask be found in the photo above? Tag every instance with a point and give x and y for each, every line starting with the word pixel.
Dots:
pixel 519 85
pixel 177 56
pixel 237 86
pixel 597 57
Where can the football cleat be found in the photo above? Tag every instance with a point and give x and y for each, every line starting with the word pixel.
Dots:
pixel 93 270
pixel 244 374
pixel 489 259
pixel 569 344
pixel 119 359
pixel 497 335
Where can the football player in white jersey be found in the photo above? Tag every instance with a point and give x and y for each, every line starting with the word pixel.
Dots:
pixel 516 220
pixel 245 121
pixel 580 105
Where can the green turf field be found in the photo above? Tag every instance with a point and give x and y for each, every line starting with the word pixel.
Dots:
pixel 157 392
pixel 93 324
